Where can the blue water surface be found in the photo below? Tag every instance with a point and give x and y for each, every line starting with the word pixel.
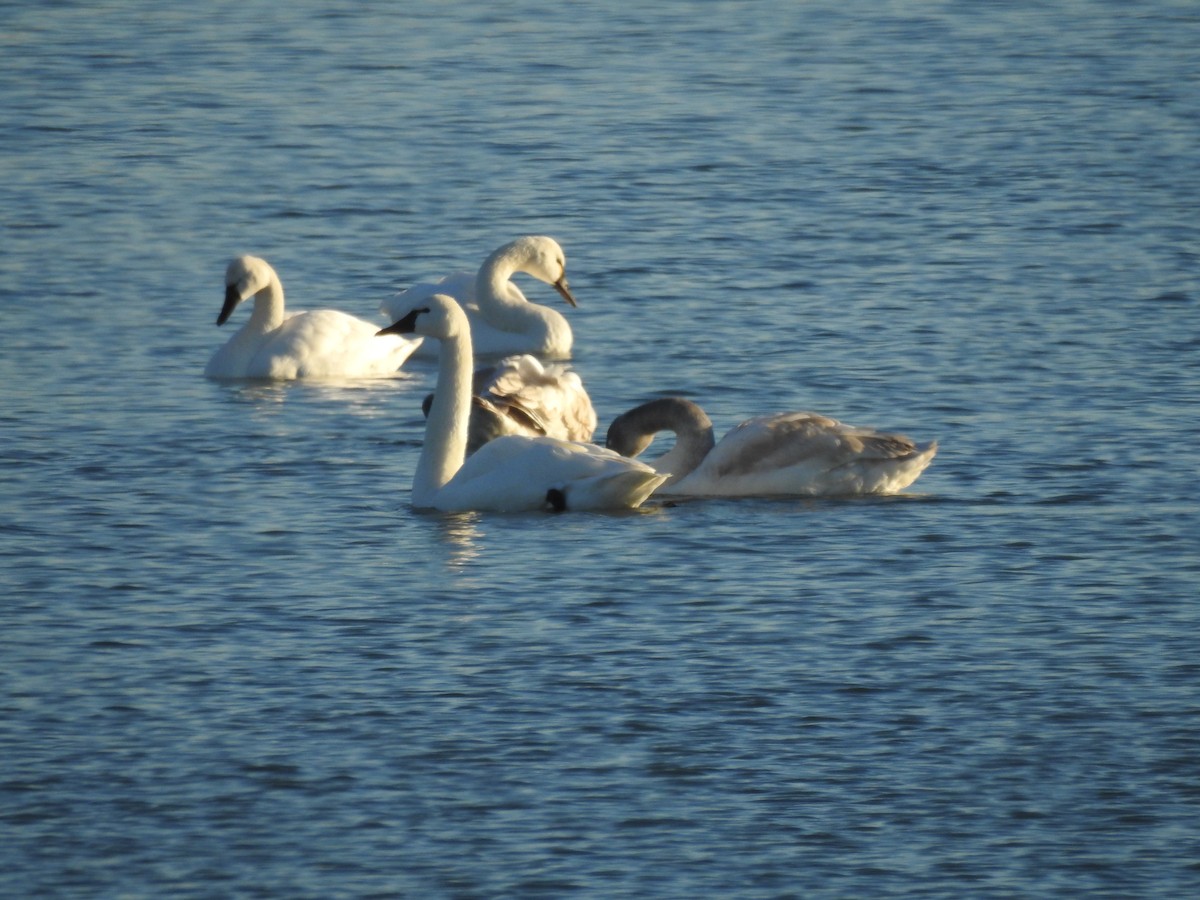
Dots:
pixel 234 662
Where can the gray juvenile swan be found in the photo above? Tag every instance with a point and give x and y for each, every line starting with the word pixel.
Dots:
pixel 786 454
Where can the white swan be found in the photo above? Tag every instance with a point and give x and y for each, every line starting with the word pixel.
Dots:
pixel 519 395
pixel 510 473
pixel 795 453
pixel 503 321
pixel 324 343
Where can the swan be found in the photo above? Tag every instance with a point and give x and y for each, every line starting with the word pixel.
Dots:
pixel 274 344
pixel 513 472
pixel 791 453
pixel 520 395
pixel 503 321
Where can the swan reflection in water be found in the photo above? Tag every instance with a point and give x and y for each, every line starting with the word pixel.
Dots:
pixel 460 534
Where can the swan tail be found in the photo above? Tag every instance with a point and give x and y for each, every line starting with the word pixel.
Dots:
pixel 903 472
pixel 627 489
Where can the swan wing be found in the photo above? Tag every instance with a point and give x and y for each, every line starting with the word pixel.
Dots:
pixel 807 453
pixel 328 343
pixel 490 341
pixel 492 420
pixel 516 473
pixel 459 285
pixel 550 397
pixel 486 339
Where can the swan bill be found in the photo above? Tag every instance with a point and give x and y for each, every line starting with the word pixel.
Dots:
pixel 232 299
pixel 407 325
pixel 564 290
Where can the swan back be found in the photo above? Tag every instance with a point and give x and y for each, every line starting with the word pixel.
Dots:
pixel 551 397
pixel 519 395
pixel 803 453
pixel 515 473
pixel 459 285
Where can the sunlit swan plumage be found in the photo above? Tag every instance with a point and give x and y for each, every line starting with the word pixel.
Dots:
pixel 512 472
pixel 793 453
pixel 323 343
pixel 520 395
pixel 503 321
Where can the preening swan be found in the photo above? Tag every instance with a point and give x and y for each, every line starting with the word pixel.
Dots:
pixel 519 395
pixel 322 343
pixel 503 321
pixel 510 473
pixel 795 453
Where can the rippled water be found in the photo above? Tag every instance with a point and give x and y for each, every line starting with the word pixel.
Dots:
pixel 235 663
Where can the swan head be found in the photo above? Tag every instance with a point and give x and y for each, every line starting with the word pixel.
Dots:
pixel 543 258
pixel 245 276
pixel 626 440
pixel 438 316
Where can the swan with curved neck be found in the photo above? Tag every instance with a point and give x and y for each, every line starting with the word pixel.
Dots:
pixel 510 473
pixel 786 454
pixel 323 343
pixel 503 321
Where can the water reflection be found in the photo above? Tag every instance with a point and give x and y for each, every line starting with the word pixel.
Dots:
pixel 256 392
pixel 460 534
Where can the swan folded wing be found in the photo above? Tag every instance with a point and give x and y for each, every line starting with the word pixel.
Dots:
pixel 805 453
pixel 771 443
pixel 459 285
pixel 516 473
pixel 510 375
pixel 330 343
pixel 491 419
pixel 550 398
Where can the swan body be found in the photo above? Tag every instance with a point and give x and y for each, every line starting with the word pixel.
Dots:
pixel 785 454
pixel 324 343
pixel 520 395
pixel 503 321
pixel 512 472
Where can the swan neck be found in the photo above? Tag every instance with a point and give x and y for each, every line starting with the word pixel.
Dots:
pixel 692 429
pixel 268 307
pixel 445 446
pixel 503 304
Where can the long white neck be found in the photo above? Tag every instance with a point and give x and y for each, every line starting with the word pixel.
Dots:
pixel 445 445
pixel 268 308
pixel 507 309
